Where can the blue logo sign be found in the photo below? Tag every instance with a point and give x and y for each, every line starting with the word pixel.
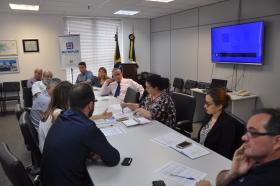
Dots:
pixel 69 45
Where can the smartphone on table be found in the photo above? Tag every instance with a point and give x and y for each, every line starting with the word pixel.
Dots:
pixel 158 183
pixel 183 145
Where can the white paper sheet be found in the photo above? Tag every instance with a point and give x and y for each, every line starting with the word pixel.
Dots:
pixel 169 139
pixel 193 151
pixel 112 131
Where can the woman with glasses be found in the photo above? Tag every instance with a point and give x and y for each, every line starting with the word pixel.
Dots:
pixel 217 131
pixel 102 77
pixel 157 105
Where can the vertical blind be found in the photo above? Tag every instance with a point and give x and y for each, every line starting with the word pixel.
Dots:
pixel 97 41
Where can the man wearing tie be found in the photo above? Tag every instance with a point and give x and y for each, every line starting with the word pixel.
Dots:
pixel 118 85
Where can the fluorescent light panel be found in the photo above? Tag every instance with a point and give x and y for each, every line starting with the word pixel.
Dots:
pixel 163 1
pixel 126 12
pixel 24 7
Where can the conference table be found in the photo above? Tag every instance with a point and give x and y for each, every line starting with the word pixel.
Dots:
pixel 147 155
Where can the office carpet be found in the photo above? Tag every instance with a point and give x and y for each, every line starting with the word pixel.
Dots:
pixel 11 135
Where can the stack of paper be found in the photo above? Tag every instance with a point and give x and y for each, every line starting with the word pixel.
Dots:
pixel 193 151
pixel 136 121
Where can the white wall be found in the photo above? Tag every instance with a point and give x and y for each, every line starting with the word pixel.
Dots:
pixel 142 42
pixel 190 46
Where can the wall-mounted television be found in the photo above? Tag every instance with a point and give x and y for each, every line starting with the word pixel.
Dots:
pixel 239 44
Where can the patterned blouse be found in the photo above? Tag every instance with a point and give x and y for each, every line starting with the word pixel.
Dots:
pixel 204 132
pixel 161 109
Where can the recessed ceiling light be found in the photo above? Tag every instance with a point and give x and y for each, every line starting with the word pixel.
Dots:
pixel 24 7
pixel 126 12
pixel 163 1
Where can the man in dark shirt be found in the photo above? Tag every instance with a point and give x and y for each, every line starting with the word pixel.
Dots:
pixel 71 139
pixel 261 145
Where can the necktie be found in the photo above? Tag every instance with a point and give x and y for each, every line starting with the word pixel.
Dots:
pixel 117 93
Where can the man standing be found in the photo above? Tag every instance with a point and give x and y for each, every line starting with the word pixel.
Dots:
pixel 71 139
pixel 37 77
pixel 40 104
pixel 261 145
pixel 39 86
pixel 119 85
pixel 85 76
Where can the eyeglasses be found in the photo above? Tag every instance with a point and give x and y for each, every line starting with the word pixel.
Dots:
pixel 115 75
pixel 258 134
pixel 208 104
pixel 48 76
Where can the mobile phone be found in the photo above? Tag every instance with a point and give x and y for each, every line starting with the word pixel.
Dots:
pixel 122 119
pixel 183 144
pixel 127 161
pixel 104 95
pixel 158 183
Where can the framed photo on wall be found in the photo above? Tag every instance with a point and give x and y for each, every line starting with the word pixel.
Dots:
pixel 9 65
pixel 30 45
pixel 8 48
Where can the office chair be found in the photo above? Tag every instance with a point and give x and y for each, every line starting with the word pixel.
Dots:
pixel 131 96
pixel 23 83
pixel 14 168
pixel 189 85
pixel 185 107
pixel 31 138
pixel 1 102
pixel 28 98
pixel 202 85
pixel 178 84
pixel 18 111
pixel 10 87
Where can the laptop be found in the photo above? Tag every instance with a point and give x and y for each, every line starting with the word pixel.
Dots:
pixel 216 83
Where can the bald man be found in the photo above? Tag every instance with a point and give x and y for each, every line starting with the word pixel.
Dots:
pixel 37 77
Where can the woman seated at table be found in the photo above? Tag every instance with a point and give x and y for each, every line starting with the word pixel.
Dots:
pixel 102 77
pixel 59 102
pixel 157 105
pixel 217 131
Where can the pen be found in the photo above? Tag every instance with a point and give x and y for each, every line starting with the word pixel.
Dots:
pixel 106 126
pixel 122 108
pixel 135 119
pixel 188 178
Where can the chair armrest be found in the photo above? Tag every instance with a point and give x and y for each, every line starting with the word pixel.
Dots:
pixel 35 171
pixel 182 123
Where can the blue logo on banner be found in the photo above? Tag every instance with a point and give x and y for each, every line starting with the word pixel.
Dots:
pixel 69 45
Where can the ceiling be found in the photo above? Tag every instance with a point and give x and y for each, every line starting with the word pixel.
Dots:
pixel 105 8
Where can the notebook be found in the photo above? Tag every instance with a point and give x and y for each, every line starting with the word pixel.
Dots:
pixel 136 121
pixel 194 151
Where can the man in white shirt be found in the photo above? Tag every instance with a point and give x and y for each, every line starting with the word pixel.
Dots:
pixel 118 85
pixel 39 86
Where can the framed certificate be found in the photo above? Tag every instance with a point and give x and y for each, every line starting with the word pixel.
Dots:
pixel 30 45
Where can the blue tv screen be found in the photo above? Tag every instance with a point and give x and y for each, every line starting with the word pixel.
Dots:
pixel 241 44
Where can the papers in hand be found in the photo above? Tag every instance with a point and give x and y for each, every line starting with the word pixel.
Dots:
pixel 193 151
pixel 136 121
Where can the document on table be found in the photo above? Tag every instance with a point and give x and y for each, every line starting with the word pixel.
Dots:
pixel 193 151
pixel 169 139
pixel 187 175
pixel 116 106
pixel 112 131
pixel 126 113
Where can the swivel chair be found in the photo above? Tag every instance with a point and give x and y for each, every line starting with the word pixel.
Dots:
pixel 189 85
pixel 131 96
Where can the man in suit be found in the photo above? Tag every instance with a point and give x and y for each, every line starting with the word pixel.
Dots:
pixel 71 139
pixel 261 145
pixel 118 85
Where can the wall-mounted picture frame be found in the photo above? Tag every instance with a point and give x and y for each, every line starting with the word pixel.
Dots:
pixel 8 48
pixel 30 45
pixel 9 65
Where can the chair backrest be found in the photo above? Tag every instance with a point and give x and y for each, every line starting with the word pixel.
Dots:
pixel 189 85
pixel 18 111
pixel 131 96
pixel 11 86
pixel 23 83
pixel 31 137
pixel 178 83
pixel 185 107
pixel 13 167
pixel 202 85
pixel 239 132
pixel 27 96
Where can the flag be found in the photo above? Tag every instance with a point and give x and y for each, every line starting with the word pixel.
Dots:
pixel 131 56
pixel 117 55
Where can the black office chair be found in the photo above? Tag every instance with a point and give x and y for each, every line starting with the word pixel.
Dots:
pixel 189 85
pixel 18 111
pixel 131 96
pixel 178 84
pixel 1 102
pixel 23 83
pixel 28 98
pixel 31 138
pixel 14 168
pixel 185 107
pixel 10 87
pixel 202 85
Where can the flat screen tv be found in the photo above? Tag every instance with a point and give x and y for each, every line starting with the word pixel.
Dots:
pixel 239 44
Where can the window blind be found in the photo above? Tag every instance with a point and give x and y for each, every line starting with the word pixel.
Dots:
pixel 97 41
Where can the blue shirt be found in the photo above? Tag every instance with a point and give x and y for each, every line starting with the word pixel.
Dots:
pixel 39 106
pixel 87 76
pixel 68 144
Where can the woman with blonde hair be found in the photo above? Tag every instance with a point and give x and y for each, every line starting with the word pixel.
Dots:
pixel 102 77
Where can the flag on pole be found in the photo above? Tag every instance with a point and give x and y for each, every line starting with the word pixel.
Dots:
pixel 132 56
pixel 117 55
